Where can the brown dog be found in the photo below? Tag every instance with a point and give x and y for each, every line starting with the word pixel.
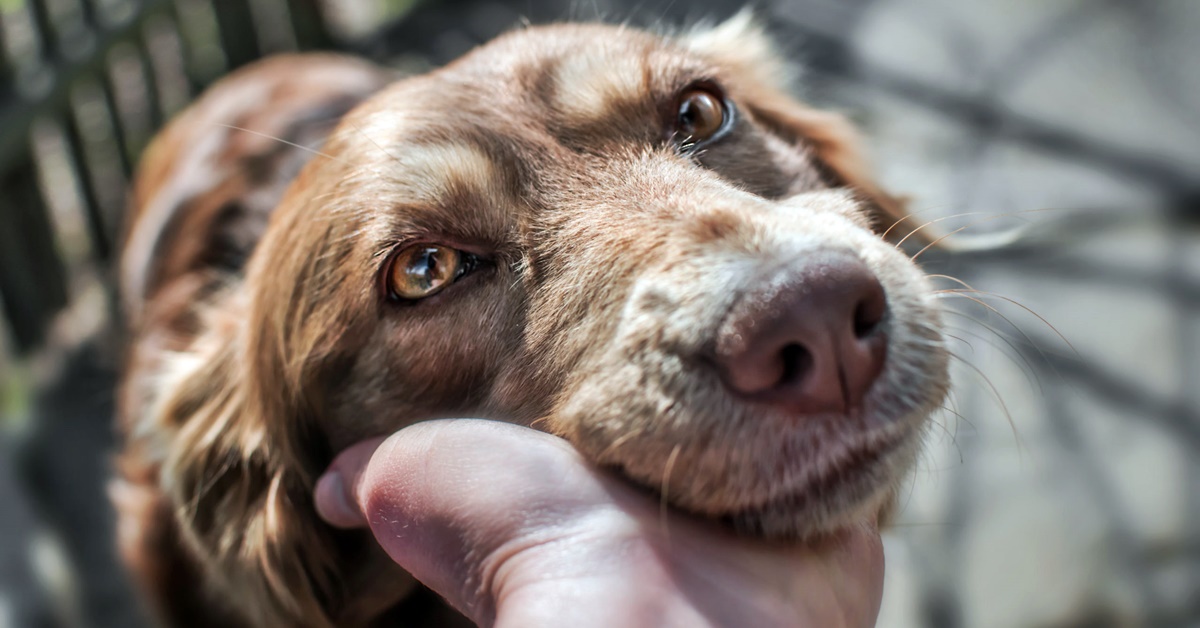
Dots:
pixel 637 242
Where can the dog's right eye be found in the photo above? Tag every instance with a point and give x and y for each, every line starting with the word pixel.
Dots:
pixel 423 270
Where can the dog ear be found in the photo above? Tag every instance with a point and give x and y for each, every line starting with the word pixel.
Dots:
pixel 742 48
pixel 244 402
pixel 834 143
pixel 242 499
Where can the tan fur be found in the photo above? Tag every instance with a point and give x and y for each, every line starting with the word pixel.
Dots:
pixel 613 260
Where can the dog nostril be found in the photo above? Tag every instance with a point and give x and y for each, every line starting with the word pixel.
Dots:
pixel 796 362
pixel 869 313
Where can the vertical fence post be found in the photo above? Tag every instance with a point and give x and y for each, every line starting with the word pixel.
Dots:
pixel 235 20
pixel 309 25
pixel 32 279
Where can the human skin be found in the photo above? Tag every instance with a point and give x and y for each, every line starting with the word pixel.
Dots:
pixel 514 528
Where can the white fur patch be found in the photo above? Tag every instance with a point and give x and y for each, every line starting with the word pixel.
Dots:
pixel 426 174
pixel 588 83
pixel 433 172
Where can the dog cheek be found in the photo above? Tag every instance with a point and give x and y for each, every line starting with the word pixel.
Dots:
pixel 631 390
pixel 438 369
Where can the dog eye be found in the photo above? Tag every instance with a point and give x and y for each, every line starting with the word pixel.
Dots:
pixel 702 114
pixel 423 270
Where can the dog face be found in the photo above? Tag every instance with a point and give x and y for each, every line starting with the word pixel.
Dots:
pixel 637 242
pixel 623 239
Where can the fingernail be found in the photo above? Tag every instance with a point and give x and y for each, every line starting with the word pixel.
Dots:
pixel 333 501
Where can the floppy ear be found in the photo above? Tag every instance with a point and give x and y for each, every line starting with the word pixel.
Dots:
pixel 742 48
pixel 220 405
pixel 241 498
pixel 245 401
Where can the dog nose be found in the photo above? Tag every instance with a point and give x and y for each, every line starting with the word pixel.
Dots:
pixel 808 339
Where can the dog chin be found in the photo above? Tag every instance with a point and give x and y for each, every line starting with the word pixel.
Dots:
pixel 841 495
pixel 783 521
pixel 844 475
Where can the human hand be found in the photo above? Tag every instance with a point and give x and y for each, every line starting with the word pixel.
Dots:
pixel 514 528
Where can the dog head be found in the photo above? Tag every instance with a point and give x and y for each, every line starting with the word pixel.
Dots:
pixel 638 242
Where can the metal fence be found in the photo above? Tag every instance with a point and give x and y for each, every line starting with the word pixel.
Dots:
pixel 83 86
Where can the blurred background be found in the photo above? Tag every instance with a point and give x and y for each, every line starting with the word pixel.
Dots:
pixel 1061 484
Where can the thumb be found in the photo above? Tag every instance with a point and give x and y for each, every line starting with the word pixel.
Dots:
pixel 451 500
pixel 334 495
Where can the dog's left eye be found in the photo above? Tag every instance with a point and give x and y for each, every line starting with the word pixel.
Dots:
pixel 702 115
pixel 423 270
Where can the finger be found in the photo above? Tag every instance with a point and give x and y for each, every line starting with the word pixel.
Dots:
pixel 853 571
pixel 335 491
pixel 450 500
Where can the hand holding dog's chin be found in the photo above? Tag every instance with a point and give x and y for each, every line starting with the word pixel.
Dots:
pixel 515 529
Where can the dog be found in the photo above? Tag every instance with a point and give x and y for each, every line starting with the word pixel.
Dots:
pixel 639 242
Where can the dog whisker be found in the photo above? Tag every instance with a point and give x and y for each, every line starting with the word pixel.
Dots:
pixel 954 279
pixel 953 436
pixel 905 217
pixel 957 415
pixel 993 295
pixel 367 137
pixel 977 321
pixel 1020 361
pixel 922 524
pixel 897 223
pixel 921 212
pixel 934 222
pixel 664 500
pixel 989 217
pixel 281 141
pixel 616 444
pixel 953 405
pixel 912 484
pixel 996 312
pixel 995 392
pixel 1042 352
pixel 962 340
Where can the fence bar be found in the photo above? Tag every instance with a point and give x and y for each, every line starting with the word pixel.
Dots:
pixel 309 25
pixel 150 78
pixel 235 20
pixel 32 278
pixel 88 197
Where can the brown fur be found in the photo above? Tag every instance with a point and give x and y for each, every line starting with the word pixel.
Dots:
pixel 613 259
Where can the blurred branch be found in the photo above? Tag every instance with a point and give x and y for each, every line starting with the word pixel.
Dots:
pixel 985 113
pixel 1173 415
pixel 1170 286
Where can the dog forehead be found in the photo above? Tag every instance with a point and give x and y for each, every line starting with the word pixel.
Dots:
pixel 526 121
pixel 535 85
pixel 576 74
pixel 597 71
